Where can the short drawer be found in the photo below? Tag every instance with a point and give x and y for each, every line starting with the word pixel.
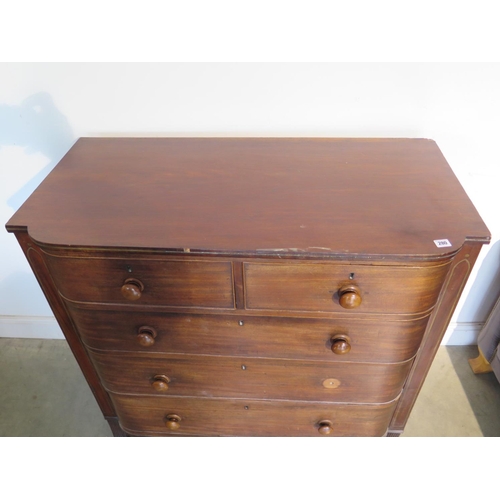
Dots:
pixel 327 287
pixel 160 282
pixel 213 417
pixel 231 377
pixel 368 340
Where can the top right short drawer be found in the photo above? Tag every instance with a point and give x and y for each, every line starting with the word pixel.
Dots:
pixel 330 287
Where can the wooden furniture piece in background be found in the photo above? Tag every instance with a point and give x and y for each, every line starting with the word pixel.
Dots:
pixel 480 364
pixel 253 287
pixel 488 359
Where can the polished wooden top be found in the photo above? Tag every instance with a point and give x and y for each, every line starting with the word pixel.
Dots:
pixel 254 196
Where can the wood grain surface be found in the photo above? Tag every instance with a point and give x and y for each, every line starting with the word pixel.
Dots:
pixel 183 283
pixel 372 339
pixel 338 197
pixel 219 417
pixel 231 377
pixel 252 287
pixel 315 287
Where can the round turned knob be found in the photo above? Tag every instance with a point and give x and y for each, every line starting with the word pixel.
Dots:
pixel 131 289
pixel 172 422
pixel 341 344
pixel 325 427
pixel 350 296
pixel 160 383
pixel 146 336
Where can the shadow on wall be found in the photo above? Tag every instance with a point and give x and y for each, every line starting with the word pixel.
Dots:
pixel 39 127
pixel 34 136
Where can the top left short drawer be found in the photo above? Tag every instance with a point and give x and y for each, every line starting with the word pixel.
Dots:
pixel 150 281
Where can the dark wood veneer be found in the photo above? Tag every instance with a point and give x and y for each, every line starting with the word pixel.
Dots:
pixel 35 259
pixel 372 339
pixel 225 417
pixel 234 377
pixel 385 197
pixel 441 316
pixel 253 287
pixel 182 283
pixel 315 287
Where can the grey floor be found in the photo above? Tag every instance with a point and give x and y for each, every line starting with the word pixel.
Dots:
pixel 43 393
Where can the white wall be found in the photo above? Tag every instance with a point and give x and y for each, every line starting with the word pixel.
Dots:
pixel 44 108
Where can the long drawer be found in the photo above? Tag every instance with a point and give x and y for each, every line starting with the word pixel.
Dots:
pixel 218 417
pixel 370 339
pixel 232 377
pixel 161 282
pixel 318 287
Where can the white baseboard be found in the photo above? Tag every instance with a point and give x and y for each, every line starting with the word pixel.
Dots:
pixel 462 333
pixel 46 327
pixel 30 327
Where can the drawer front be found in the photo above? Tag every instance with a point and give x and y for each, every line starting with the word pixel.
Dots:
pixel 213 417
pixel 175 283
pixel 252 336
pixel 215 376
pixel 317 287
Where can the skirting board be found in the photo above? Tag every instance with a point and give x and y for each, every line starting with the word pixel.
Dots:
pixel 46 327
pixel 30 327
pixel 462 333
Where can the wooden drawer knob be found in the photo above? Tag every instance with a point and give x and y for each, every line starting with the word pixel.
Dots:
pixel 349 296
pixel 325 427
pixel 172 422
pixel 341 344
pixel 132 288
pixel 146 336
pixel 160 383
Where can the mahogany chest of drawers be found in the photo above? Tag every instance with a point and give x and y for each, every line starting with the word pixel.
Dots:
pixel 252 287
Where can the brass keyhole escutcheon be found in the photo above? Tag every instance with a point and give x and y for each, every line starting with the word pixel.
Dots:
pixel 331 383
